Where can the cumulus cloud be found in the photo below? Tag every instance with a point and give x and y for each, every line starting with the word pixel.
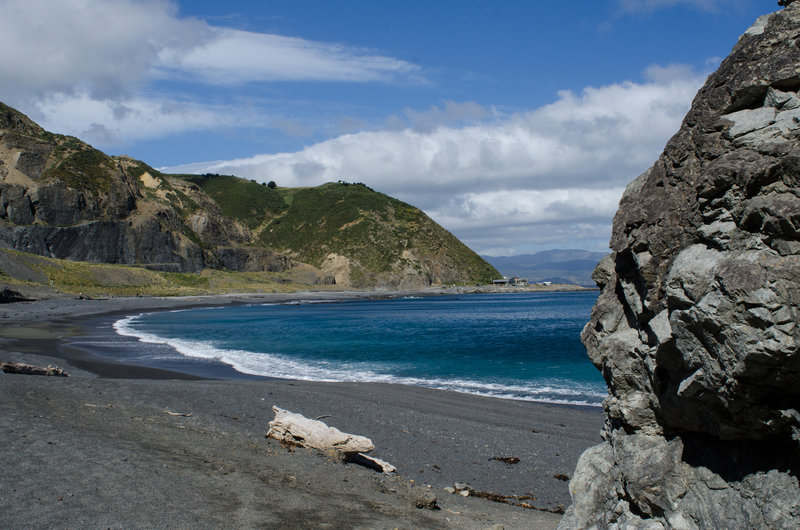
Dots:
pixel 449 113
pixel 506 222
pixel 102 55
pixel 103 48
pixel 564 164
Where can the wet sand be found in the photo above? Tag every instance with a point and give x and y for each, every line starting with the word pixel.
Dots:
pixel 99 449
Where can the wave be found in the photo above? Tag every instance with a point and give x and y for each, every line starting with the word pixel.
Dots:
pixel 308 301
pixel 283 367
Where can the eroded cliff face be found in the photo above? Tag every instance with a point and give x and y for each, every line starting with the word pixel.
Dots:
pixel 61 198
pixel 697 326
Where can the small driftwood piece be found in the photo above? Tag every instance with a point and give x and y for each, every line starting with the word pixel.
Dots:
pixel 184 414
pixel 296 429
pixel 29 369
pixel 371 462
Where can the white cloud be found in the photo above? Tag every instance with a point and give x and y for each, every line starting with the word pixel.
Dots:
pixel 104 48
pixel 109 121
pixel 235 57
pixel 563 165
pixel 101 56
pixel 449 113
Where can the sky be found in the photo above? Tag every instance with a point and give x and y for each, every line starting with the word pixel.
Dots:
pixel 514 124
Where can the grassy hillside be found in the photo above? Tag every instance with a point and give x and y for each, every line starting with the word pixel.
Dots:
pixel 19 270
pixel 379 235
pixel 379 232
pixel 240 199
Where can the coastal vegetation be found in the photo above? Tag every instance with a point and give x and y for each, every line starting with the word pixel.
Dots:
pixel 101 279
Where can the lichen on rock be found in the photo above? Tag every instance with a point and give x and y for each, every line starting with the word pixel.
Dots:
pixel 697 325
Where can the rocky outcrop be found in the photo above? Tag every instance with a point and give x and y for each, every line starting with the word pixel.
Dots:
pixel 248 259
pixel 60 198
pixel 697 326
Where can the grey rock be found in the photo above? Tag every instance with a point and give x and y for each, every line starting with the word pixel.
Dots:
pixel 8 296
pixel 116 242
pixel 697 326
pixel 758 26
pixel 423 498
pixel 249 259
pixel 15 205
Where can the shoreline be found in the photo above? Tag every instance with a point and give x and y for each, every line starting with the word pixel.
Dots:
pixel 89 318
pixel 434 437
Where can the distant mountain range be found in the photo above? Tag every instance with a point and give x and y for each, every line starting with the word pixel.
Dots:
pixel 557 266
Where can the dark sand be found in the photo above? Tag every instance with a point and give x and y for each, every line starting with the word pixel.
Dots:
pixel 98 448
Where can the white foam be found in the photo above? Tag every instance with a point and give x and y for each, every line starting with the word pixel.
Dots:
pixel 304 302
pixel 281 366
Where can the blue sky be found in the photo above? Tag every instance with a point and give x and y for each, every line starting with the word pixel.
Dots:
pixel 516 125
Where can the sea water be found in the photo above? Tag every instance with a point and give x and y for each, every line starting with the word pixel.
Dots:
pixel 518 345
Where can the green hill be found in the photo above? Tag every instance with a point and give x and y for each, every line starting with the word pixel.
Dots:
pixel 381 238
pixel 356 235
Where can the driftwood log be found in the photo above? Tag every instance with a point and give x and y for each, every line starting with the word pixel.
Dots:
pixel 29 369
pixel 296 429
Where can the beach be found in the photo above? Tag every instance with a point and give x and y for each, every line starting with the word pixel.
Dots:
pixel 133 446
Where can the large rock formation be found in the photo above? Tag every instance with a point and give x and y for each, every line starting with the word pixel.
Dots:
pixel 697 327
pixel 61 198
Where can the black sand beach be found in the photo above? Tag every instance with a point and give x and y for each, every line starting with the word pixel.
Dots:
pixel 99 448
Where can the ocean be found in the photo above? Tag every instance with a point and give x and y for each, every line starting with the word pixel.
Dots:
pixel 518 346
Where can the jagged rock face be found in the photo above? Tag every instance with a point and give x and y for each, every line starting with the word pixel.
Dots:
pixel 697 327
pixel 62 199
pixel 96 219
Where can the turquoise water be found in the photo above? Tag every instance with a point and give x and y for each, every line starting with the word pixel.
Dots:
pixel 520 346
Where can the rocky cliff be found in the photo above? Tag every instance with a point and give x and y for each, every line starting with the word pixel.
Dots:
pixel 697 327
pixel 61 198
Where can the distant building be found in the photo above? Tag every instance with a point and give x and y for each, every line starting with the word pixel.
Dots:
pixel 505 282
